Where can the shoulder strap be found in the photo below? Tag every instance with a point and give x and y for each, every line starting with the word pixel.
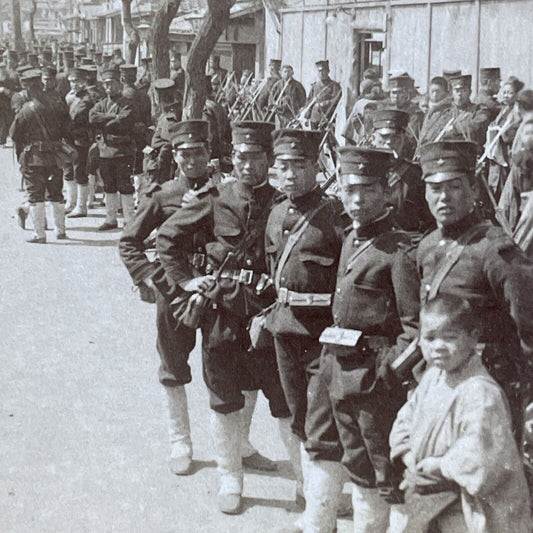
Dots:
pixel 455 251
pixel 296 233
pixel 351 261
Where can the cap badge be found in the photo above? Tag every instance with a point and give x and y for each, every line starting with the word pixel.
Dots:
pixel 361 166
pixel 190 135
pixel 248 136
pixel 440 162
pixel 293 145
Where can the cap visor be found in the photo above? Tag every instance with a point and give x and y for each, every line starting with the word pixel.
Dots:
pixel 247 148
pixel 441 177
pixel 185 146
pixel 290 157
pixel 356 179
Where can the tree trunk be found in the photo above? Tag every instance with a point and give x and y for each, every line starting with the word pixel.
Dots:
pixel 131 35
pixel 16 26
pixel 31 17
pixel 159 43
pixel 215 21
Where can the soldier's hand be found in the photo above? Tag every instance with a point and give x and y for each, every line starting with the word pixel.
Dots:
pixel 146 292
pixel 198 284
pixel 188 197
pixel 387 375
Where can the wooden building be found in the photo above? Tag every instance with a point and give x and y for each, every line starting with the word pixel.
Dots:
pixel 421 37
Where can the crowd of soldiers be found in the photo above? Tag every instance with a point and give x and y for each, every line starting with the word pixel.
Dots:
pixel 308 267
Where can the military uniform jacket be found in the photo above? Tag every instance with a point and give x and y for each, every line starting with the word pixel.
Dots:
pixel 158 204
pixel 62 84
pixel 81 130
pixel 326 93
pixel 160 159
pixel 377 293
pixel 292 100
pixel 416 117
pixel 494 275
pixel 37 146
pixel 264 95
pixel 18 100
pixel 435 120
pixel 488 101
pixel 312 264
pixel 115 119
pixel 228 212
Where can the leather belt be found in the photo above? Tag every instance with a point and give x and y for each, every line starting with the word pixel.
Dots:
pixel 304 299
pixel 246 277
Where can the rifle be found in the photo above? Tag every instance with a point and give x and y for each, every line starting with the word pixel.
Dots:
pixel 299 120
pixel 223 87
pixel 240 94
pixel 508 123
pixel 447 126
pixel 272 112
pixel 255 95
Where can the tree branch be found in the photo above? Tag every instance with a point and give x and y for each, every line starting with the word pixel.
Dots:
pixel 132 35
pixel 159 43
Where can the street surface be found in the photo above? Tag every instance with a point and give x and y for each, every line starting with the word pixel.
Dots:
pixel 83 418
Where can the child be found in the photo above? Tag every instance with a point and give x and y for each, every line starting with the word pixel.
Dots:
pixel 463 469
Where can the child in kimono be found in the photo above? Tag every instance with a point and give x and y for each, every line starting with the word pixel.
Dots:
pixel 463 470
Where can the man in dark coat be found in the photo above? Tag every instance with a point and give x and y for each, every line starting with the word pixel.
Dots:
pixel 323 96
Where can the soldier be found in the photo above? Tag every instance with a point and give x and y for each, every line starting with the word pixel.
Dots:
pixel 353 395
pixel 477 261
pixel 175 341
pixel 159 164
pixel 406 191
pixel 81 135
pixel 236 290
pixel 92 85
pixel 7 90
pixel 273 76
pixel 142 110
pixel 46 58
pixel 323 96
pixel 303 241
pixel 438 106
pixel 286 98
pixel 37 130
pixel 145 77
pixel 177 74
pixel 219 126
pixel 33 60
pixel 49 82
pixel 62 83
pixel 400 98
pixel 117 58
pixel 217 73
pixel 463 119
pixel 489 81
pixel 115 119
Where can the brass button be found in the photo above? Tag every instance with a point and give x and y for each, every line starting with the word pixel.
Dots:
pixel 285 232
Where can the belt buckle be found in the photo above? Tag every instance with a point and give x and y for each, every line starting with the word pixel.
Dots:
pixel 283 295
pixel 246 276
pixel 198 260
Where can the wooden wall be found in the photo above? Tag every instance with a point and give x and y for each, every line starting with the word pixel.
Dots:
pixel 423 38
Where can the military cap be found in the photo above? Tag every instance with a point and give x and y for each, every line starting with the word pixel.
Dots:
pixel 79 54
pixel 525 98
pixel 390 120
pixel 250 136
pixel 110 74
pixel 166 89
pixel 190 134
pixel 128 70
pixel 87 61
pixel 32 55
pixel 97 54
pixel 461 82
pixel 296 144
pixel 24 68
pixel 275 63
pixel 364 166
pixel 447 160
pixel 449 74
pixel 117 51
pixel 90 71
pixel 31 74
pixel 106 55
pixel 49 72
pixel 76 74
pixel 489 73
pixel 404 81
pixel 147 59
pixel 68 54
pixel 324 63
pixel 12 54
pixel 47 53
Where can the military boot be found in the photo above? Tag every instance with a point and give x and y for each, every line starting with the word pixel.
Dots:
pixel 179 431
pixel 81 204
pixel 59 219
pixel 111 206
pixel 38 217
pixel 72 195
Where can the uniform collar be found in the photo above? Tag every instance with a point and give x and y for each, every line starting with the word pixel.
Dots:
pixel 193 184
pixel 309 199
pixel 377 227
pixel 453 231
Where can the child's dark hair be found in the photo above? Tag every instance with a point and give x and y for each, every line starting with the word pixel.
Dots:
pixel 459 312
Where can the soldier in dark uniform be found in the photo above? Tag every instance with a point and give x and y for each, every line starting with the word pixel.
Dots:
pixel 177 74
pixel 235 291
pixel 219 127
pixel 37 130
pixel 174 340
pixel 462 119
pixel 114 118
pixel 46 58
pixel 117 58
pixel 406 190
pixel 49 82
pixel 274 76
pixel 353 396
pixel 400 98
pixel 7 90
pixel 33 60
pixel 145 77
pixel 142 111
pixel 159 164
pixel 287 97
pixel 489 271
pixel 305 278
pixel 489 86
pixel 438 104
pixel 93 86
pixel 325 94
pixel 62 83
pixel 82 138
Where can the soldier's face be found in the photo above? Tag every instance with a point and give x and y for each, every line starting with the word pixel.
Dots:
pixel 192 161
pixel 436 93
pixel 49 84
pixel 363 202
pixel 286 73
pixel 389 141
pixel 250 168
pixel 399 96
pixel 296 177
pixel 112 87
pixel 461 95
pixel 444 345
pixel 450 201
pixel 77 85
pixel 323 74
